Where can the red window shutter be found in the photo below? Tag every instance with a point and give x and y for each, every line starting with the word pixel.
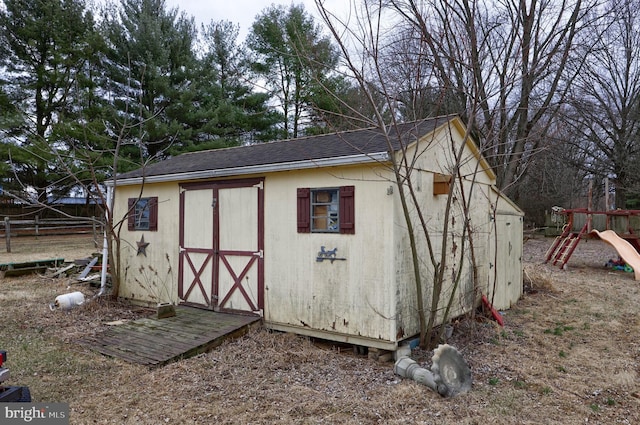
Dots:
pixel 347 210
pixel 131 219
pixel 153 214
pixel 304 210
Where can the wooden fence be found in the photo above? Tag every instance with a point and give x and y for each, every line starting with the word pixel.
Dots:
pixel 11 228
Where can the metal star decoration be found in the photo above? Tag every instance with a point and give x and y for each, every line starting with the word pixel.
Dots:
pixel 142 246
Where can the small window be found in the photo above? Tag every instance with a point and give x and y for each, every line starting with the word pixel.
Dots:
pixel 143 214
pixel 327 210
pixel 324 210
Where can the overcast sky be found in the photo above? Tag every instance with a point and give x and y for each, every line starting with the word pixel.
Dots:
pixel 243 12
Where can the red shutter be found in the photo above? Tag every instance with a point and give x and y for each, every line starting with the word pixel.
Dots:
pixel 347 210
pixel 131 219
pixel 153 213
pixel 304 210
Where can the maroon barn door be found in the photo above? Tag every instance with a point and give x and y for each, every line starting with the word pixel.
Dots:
pixel 221 245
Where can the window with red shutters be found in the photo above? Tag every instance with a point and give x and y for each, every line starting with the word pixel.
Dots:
pixel 143 214
pixel 326 210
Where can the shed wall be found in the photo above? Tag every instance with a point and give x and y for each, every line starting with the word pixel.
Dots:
pixel 463 248
pixel 504 281
pixel 348 297
pixel 152 277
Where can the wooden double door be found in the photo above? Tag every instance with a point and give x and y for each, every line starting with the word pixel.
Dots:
pixel 221 264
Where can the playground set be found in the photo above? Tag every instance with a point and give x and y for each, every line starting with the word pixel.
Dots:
pixel 619 228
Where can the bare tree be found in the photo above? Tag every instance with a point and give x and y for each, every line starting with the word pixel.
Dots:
pixel 437 251
pixel 604 117
pixel 508 64
pixel 558 175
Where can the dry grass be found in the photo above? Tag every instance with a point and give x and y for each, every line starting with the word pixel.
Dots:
pixel 569 354
pixel 30 248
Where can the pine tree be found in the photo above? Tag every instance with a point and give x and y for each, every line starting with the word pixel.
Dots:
pixel 151 64
pixel 293 59
pixel 43 48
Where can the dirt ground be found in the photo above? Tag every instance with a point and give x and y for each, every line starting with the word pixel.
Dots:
pixel 569 354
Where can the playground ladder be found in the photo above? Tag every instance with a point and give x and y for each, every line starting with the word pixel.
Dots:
pixel 564 245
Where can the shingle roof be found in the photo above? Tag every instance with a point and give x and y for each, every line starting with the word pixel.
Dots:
pixel 336 145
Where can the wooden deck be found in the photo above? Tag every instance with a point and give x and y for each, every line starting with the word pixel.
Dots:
pixel 155 342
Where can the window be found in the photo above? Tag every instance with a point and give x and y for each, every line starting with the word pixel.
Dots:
pixel 143 214
pixel 326 210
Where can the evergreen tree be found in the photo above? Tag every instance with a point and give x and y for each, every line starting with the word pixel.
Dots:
pixel 150 64
pixel 294 60
pixel 43 47
pixel 230 111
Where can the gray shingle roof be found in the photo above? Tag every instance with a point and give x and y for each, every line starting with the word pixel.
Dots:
pixel 336 145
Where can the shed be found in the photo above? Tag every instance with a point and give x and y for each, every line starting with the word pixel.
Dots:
pixel 310 234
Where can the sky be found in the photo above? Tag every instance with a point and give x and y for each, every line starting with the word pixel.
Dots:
pixel 243 12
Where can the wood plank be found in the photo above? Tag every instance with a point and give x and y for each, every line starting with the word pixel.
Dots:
pixel 140 337
pixel 52 262
pixel 142 342
pixel 196 324
pixel 124 355
pixel 154 342
pixel 19 269
pixel 87 269
pixel 176 333
pixel 23 270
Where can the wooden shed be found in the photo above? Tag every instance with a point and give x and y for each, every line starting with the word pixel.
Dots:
pixel 309 233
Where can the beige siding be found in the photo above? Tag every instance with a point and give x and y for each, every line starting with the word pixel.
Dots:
pixel 434 154
pixel 349 297
pixel 504 281
pixel 154 277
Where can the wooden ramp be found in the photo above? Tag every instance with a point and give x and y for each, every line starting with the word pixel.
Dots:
pixel 155 342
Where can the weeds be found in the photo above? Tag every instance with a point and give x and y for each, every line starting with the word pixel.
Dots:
pixel 156 286
pixel 559 330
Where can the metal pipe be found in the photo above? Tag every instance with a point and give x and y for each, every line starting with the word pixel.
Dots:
pixel 449 375
pixel 409 368
pixel 105 244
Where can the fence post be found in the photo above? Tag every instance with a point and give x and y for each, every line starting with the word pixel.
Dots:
pixel 37 222
pixel 7 233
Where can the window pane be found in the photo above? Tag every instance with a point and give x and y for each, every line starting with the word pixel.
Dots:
pixel 324 210
pixel 143 213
